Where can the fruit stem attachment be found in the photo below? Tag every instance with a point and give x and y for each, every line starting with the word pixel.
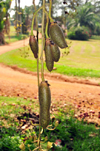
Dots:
pixel 51 20
pixel 35 13
pixel 46 30
pixel 48 16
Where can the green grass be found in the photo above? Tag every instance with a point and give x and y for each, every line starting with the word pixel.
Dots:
pixel 16 57
pixel 14 106
pixel 84 54
pixel 10 133
pixel 83 59
pixel 13 36
pixel 71 71
pixel 74 135
pixel 95 37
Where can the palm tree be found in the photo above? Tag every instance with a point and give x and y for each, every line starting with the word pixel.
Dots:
pixel 84 16
pixel 97 7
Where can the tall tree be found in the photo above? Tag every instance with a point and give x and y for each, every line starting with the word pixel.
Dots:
pixel 16 14
pixel 84 16
pixel 28 12
pixel 4 7
pixel 19 17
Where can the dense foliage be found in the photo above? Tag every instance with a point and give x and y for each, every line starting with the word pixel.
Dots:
pixel 79 33
pixel 84 23
pixel 74 136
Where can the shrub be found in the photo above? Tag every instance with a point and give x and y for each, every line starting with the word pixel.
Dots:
pixel 71 34
pixel 79 33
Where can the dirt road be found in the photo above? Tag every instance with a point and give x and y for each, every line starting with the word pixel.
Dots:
pixel 64 90
pixel 12 46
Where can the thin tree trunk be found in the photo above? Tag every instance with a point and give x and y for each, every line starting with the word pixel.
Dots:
pixel 20 21
pixel 16 14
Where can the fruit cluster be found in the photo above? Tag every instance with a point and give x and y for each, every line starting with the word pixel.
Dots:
pixel 52 54
pixel 52 44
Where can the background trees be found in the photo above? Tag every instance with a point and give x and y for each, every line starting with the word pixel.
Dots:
pixel 85 19
pixel 70 13
pixel 84 16
pixel 4 22
pixel 22 18
pixel 26 18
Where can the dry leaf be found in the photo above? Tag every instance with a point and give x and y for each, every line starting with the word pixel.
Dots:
pixel 24 127
pixel 22 147
pixel 49 145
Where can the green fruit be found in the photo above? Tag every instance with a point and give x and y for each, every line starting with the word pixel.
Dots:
pixel 48 56
pixel 44 101
pixel 34 46
pixel 55 52
pixel 57 35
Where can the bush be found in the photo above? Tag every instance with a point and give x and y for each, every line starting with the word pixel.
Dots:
pixel 71 34
pixel 79 33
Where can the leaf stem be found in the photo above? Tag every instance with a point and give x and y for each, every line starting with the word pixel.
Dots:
pixel 48 16
pixel 42 63
pixel 51 20
pixel 46 30
pixel 34 18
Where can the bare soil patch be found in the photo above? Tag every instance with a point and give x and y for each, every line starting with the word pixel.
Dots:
pixel 85 98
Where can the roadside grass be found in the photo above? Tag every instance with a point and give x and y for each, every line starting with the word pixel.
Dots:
pixel 13 36
pixel 73 134
pixel 14 105
pixel 79 72
pixel 82 61
pixel 18 58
